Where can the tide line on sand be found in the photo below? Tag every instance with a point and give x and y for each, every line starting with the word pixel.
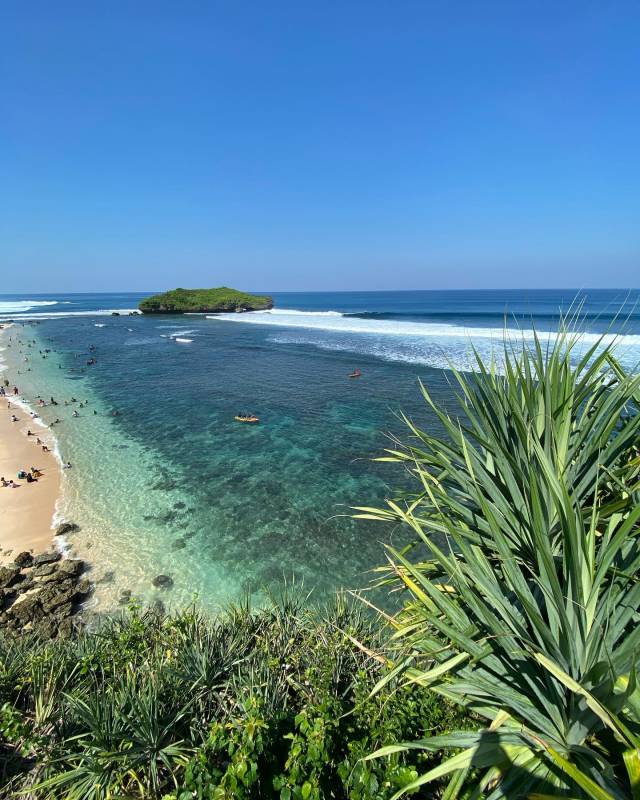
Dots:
pixel 26 513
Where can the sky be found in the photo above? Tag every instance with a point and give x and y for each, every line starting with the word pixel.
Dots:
pixel 319 146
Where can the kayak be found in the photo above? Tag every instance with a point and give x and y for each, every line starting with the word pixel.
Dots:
pixel 355 374
pixel 247 419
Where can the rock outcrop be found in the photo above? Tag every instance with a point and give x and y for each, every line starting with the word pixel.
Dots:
pixel 42 593
pixel 204 301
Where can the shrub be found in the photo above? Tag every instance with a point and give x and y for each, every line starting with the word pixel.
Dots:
pixel 524 599
pixel 271 702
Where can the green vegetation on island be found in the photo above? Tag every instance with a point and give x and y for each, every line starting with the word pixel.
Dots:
pixel 509 670
pixel 212 301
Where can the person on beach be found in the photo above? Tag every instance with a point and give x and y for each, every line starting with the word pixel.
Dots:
pixel 45 449
pixel 15 390
pixel 14 418
pixel 13 484
pixel 4 483
pixel 31 479
pixel 67 465
pixel 29 432
pixel 75 414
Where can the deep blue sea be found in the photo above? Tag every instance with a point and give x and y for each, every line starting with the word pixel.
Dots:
pixel 171 484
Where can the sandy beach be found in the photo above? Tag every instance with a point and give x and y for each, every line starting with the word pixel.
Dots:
pixel 26 513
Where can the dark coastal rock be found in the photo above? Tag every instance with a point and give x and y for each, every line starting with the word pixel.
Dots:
pixel 44 570
pixel 26 609
pixel 71 567
pixel 108 577
pixel 24 559
pixel 125 597
pixel 47 558
pixel 47 628
pixel 115 314
pixel 52 577
pixel 63 610
pixel 179 504
pixel 67 527
pixel 69 626
pixel 163 581
pixel 178 544
pixel 8 575
pixel 24 584
pixel 56 595
pixel 42 594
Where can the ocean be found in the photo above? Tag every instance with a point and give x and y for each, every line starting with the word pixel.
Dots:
pixel 164 481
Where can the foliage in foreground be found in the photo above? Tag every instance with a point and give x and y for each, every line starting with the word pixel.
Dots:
pixel 523 587
pixel 270 703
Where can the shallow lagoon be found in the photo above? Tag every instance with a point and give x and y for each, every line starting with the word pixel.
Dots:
pixel 174 485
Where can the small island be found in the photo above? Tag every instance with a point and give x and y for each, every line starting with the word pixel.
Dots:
pixel 204 301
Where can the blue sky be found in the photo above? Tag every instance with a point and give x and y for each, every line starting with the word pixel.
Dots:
pixel 304 146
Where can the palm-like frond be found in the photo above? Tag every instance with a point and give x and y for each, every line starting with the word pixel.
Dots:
pixel 524 606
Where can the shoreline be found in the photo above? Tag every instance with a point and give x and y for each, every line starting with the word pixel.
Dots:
pixel 27 513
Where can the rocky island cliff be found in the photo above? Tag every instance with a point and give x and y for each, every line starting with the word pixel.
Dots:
pixel 204 301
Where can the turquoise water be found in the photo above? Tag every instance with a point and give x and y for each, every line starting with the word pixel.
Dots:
pixel 172 485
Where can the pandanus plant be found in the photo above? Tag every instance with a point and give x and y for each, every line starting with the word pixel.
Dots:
pixel 523 596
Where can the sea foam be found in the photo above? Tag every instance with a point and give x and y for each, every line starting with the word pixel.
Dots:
pixel 25 314
pixel 339 323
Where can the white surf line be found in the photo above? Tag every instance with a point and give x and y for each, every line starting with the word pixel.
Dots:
pixel 337 323
pixel 101 312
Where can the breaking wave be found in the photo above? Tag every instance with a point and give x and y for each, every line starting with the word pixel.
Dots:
pixel 20 306
pixel 334 321
pixel 6 315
